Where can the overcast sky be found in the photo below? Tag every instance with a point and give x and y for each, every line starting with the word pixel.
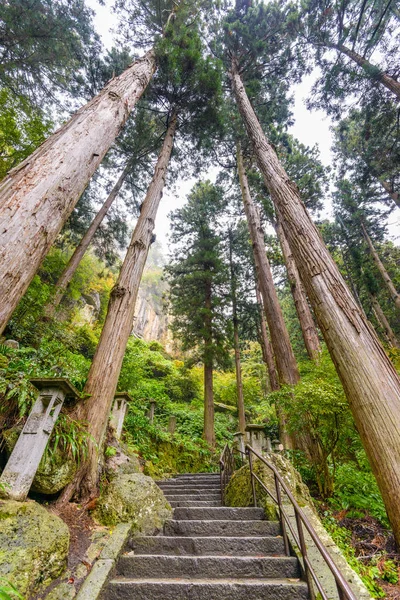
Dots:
pixel 310 127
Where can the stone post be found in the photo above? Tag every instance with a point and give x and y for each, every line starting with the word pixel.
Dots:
pixel 23 463
pixel 239 442
pixel 172 424
pixel 118 412
pixel 256 437
pixel 150 412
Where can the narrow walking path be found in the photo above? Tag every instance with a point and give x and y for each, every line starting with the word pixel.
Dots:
pixel 207 552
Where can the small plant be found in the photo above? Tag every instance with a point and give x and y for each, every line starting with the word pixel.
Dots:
pixel 8 591
pixel 70 437
pixel 110 451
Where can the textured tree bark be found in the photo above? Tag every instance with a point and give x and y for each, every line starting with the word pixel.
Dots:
pixel 284 357
pixel 106 366
pixel 73 263
pixel 266 348
pixel 384 323
pixel 370 381
pixel 209 430
pixel 238 367
pixel 308 328
pixel 385 275
pixel 393 195
pixel 373 71
pixel 37 197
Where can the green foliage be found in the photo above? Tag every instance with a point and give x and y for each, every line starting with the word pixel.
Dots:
pixel 8 591
pixel 342 537
pixel 70 437
pixel 356 490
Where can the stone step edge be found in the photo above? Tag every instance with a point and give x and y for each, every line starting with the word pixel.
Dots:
pixel 206 582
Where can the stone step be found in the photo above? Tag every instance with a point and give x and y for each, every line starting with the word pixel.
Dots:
pixel 193 497
pixel 178 491
pixel 194 503
pixel 218 513
pixel 226 546
pixel 207 528
pixel 184 480
pixel 132 566
pixel 212 589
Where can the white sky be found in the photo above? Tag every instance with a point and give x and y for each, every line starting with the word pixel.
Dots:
pixel 310 128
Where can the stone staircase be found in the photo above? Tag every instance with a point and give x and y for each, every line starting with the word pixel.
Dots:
pixel 207 552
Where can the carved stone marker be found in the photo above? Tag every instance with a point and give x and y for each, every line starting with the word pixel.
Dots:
pixel 118 412
pixel 150 412
pixel 23 463
pixel 172 424
pixel 239 441
pixel 256 437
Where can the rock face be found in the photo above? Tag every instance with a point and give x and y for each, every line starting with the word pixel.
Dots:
pixel 135 498
pixel 151 322
pixel 123 462
pixel 239 491
pixel 33 545
pixel 52 475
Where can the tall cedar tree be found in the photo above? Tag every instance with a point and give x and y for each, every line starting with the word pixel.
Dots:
pixel 37 197
pixel 140 139
pixel 199 287
pixel 187 86
pixel 370 381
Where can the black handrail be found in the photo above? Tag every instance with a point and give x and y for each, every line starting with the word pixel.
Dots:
pixel 343 588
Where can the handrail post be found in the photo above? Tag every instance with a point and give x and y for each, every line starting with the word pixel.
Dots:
pixel 281 518
pixel 303 549
pixel 253 485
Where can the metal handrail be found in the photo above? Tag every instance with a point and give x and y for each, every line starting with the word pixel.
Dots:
pixel 343 588
pixel 227 468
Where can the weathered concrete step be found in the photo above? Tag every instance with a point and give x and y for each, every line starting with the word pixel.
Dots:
pixel 191 490
pixel 194 503
pixel 172 496
pixel 207 528
pixel 225 546
pixel 184 480
pixel 204 567
pixel 183 589
pixel 218 513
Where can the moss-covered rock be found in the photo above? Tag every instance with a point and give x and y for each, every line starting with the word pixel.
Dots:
pixel 121 460
pixel 34 545
pixel 133 498
pixel 54 472
pixel 239 490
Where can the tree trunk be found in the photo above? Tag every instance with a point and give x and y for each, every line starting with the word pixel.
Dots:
pixel 37 197
pixel 266 348
pixel 106 366
pixel 384 323
pixel 371 70
pixel 209 430
pixel 73 263
pixel 238 367
pixel 388 188
pixel 370 381
pixel 307 324
pixel 285 360
pixel 385 275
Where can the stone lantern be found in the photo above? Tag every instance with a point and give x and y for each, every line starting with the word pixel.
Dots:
pixel 118 412
pixel 21 467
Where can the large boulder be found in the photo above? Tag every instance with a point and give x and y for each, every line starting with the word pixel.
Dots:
pixel 54 472
pixel 120 460
pixel 34 545
pixel 239 490
pixel 135 498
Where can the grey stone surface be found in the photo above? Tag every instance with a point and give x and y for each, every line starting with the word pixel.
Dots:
pixel 96 580
pixel 207 567
pixel 12 344
pixel 214 546
pixel 116 541
pixel 206 590
pixel 221 527
pixel 218 513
